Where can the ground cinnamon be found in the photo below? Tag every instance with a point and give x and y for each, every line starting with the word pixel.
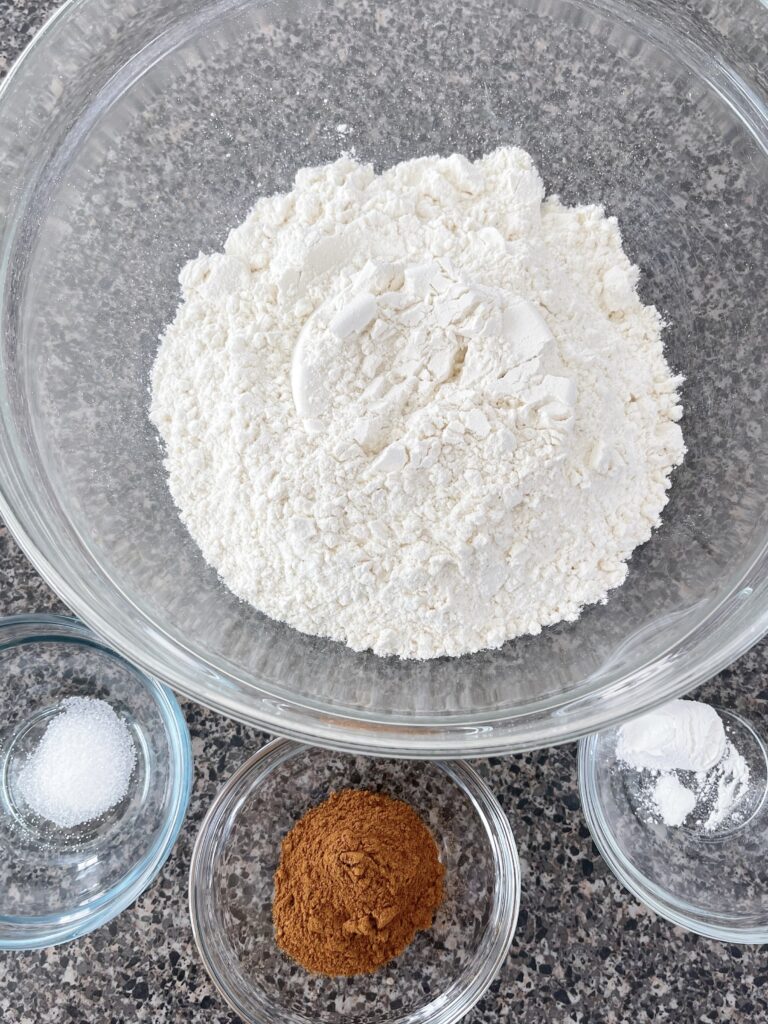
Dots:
pixel 359 875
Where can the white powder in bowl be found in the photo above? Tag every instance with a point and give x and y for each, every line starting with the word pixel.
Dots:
pixel 421 412
pixel 82 765
pixel 684 735
pixel 672 800
pixel 688 737
pixel 730 781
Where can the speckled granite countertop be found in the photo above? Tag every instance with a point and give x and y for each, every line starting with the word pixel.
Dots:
pixel 584 951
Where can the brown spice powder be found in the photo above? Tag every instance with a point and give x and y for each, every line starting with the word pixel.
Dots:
pixel 359 875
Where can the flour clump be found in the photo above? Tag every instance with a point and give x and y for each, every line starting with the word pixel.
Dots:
pixel 422 411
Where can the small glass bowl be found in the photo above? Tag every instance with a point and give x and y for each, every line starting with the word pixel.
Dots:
pixel 444 971
pixel 713 883
pixel 57 884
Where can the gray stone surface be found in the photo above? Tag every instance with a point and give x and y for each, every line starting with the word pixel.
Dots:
pixel 584 950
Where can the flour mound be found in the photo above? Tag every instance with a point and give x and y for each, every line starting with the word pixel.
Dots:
pixel 421 412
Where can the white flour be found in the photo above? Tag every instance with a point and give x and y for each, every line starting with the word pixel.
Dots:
pixel 421 412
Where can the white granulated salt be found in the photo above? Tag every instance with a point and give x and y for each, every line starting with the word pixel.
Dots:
pixel 421 412
pixel 82 765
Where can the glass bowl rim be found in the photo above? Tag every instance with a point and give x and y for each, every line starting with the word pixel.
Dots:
pixel 731 625
pixel 506 891
pixel 660 901
pixel 18 932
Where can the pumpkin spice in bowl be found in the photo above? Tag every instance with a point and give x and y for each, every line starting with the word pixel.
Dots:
pixel 359 875
pixel 393 888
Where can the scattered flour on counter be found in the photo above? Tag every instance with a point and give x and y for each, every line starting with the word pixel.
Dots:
pixel 692 767
pixel 421 412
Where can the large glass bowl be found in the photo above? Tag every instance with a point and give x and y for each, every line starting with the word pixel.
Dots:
pixel 135 135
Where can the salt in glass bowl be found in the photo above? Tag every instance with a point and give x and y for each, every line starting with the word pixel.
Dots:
pixel 444 971
pixel 58 884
